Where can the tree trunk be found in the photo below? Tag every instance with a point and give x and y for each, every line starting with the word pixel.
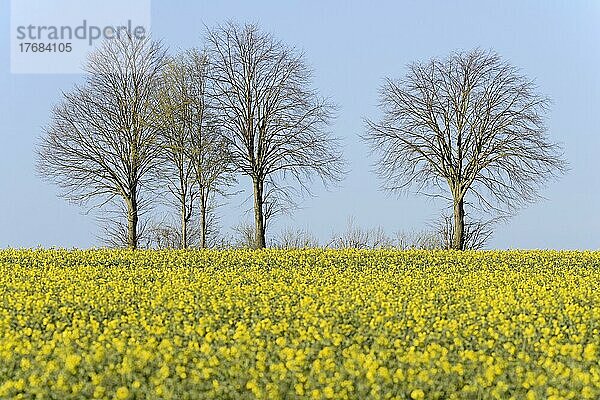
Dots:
pixel 202 219
pixel 459 225
pixel 259 231
pixel 132 222
pixel 184 219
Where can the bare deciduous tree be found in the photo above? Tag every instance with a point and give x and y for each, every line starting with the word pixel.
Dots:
pixel 209 151
pixel 244 235
pixel 101 141
pixel 274 122
pixel 353 237
pixel 197 153
pixel 380 239
pixel 290 238
pixel 175 139
pixel 423 240
pixel 164 235
pixel 471 123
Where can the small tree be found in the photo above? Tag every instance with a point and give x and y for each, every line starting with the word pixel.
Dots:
pixel 101 142
pixel 244 235
pixel 353 237
pixel 423 240
pixel 274 122
pixel 470 124
pixel 290 238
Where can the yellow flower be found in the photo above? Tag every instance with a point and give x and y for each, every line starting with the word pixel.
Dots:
pixel 587 392
pixel 328 392
pixel 25 364
pixel 299 389
pixel 72 361
pixel 99 392
pixel 589 352
pixel 122 393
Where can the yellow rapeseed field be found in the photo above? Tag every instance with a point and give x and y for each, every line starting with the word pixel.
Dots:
pixel 318 324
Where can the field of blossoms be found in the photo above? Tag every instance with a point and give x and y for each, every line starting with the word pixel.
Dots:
pixel 291 324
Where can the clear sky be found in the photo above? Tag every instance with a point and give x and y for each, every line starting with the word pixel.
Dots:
pixel 352 46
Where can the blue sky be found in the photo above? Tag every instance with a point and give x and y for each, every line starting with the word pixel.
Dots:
pixel 351 46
